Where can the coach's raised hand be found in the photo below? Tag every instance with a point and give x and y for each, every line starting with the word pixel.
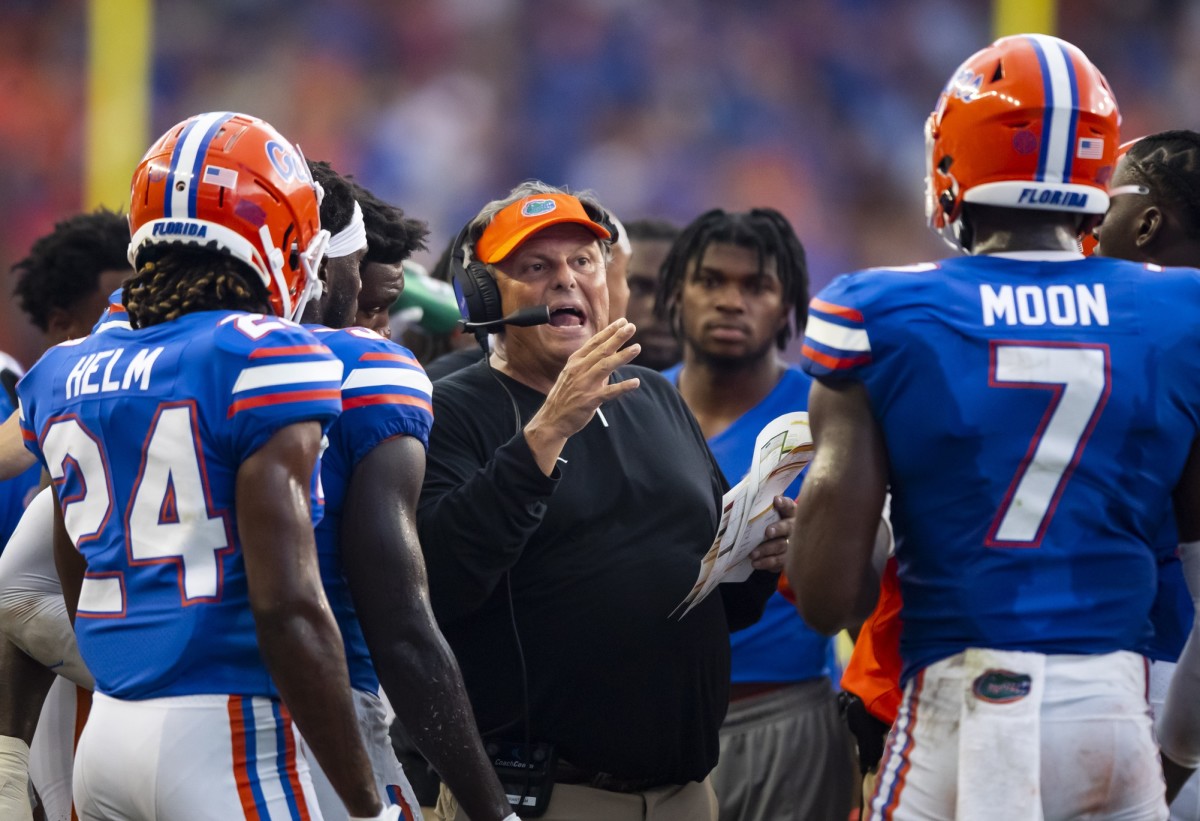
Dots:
pixel 583 385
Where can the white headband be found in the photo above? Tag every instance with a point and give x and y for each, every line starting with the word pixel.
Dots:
pixel 350 239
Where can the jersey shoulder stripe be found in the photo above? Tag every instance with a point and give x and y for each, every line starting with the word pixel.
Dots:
pixel 378 371
pixel 287 350
pixel 377 356
pixel 283 399
pixel 307 372
pixel 114 316
pixel 350 403
pixel 835 338
pixel 276 362
pixel 385 393
pixel 387 381
pixel 849 314
pixel 412 379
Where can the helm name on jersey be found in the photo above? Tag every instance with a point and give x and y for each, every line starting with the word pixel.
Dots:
pixel 1038 305
pixel 85 377
pixel 1059 199
pixel 181 229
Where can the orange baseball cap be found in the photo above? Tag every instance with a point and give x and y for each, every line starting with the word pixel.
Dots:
pixel 517 222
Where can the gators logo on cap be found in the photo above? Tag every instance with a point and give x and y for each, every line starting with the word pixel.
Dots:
pixel 1002 686
pixel 535 208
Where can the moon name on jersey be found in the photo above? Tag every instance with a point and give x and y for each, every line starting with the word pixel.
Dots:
pixel 85 377
pixel 1037 305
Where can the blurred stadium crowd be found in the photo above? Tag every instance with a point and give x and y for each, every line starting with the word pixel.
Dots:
pixel 663 107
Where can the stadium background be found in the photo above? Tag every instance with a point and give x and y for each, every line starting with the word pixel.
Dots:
pixel 663 107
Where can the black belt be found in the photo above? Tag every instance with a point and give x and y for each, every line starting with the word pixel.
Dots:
pixel 567 773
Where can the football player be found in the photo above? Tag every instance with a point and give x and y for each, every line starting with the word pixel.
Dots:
pixel 371 559
pixel 1155 217
pixel 1027 407
pixel 62 285
pixel 391 239
pixel 371 563
pixel 183 456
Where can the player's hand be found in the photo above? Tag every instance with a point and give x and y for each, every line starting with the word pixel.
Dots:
pixel 583 384
pixel 772 550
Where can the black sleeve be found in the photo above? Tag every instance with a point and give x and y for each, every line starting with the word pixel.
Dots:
pixel 746 601
pixel 479 503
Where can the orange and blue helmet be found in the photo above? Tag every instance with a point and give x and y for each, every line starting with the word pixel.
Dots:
pixel 1028 122
pixel 231 182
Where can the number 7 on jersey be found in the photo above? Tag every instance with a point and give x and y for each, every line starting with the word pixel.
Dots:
pixel 1079 378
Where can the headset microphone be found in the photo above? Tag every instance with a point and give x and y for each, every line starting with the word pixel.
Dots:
pixel 524 318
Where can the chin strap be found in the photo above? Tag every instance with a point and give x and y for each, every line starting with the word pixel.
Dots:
pixel 310 263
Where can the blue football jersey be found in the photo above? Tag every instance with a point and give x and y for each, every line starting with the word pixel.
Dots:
pixel 779 646
pixel 114 316
pixel 143 433
pixel 385 393
pixel 1037 414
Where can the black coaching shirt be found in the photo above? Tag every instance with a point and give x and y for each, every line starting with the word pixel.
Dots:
pixel 597 557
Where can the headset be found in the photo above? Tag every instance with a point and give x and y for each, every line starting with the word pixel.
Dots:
pixel 474 286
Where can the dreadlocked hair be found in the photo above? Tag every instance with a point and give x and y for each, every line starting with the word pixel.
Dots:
pixel 182 280
pixel 337 201
pixel 391 236
pixel 1170 163
pixel 763 229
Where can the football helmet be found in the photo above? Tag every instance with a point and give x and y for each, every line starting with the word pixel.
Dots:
pixel 232 182
pixel 1028 122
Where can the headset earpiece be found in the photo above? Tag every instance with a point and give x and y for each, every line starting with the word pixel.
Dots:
pixel 479 297
pixel 602 217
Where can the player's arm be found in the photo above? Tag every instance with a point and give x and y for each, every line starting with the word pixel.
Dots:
pixel 33 614
pixel 67 560
pixel 382 562
pixel 833 537
pixel 297 635
pixel 23 687
pixel 14 458
pixel 25 684
pixel 1179 723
